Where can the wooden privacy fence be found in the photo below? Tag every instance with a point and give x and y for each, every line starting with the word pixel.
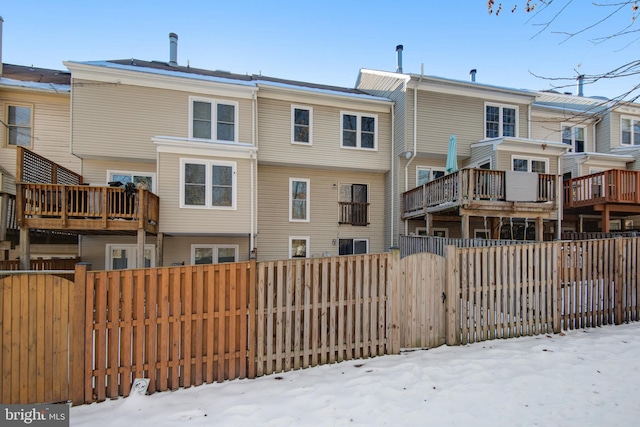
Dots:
pixel 41 339
pixel 176 326
pixel 189 325
pixel 322 310
pixel 511 291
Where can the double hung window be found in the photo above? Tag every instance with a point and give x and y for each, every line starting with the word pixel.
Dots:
pixel 298 200
pixel 574 136
pixel 301 125
pixel 19 125
pixel 630 129
pixel 500 121
pixel 529 164
pixel 213 119
pixel 208 184
pixel 359 131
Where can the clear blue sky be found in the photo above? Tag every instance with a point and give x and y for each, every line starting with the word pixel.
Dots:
pixel 325 41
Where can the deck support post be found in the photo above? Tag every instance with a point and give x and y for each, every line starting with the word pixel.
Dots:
pixel 539 229
pixel 159 249
pixel 25 249
pixel 605 218
pixel 464 224
pixel 141 240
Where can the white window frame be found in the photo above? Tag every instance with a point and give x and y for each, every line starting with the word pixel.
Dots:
pixel 354 240
pixel 208 196
pixel 214 248
pixel 359 117
pixel 431 170
pixel 7 126
pixel 133 174
pixel 529 160
pixel 633 143
pixel 308 200
pixel 307 250
pixel 440 230
pixel 133 248
pixel 573 139
pixel 214 119
pixel 501 122
pixel 293 124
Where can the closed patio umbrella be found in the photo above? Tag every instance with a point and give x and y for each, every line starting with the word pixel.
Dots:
pixel 452 155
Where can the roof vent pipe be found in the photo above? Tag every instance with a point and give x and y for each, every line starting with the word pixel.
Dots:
pixel 1 21
pixel 580 85
pixel 173 49
pixel 399 58
pixel 472 75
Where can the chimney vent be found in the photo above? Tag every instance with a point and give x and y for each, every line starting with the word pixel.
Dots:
pixel 173 49
pixel 399 58
pixel 472 75
pixel 580 85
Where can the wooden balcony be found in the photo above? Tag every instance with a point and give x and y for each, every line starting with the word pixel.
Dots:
pixel 354 213
pixel 611 186
pixel 86 209
pixel 611 194
pixel 478 189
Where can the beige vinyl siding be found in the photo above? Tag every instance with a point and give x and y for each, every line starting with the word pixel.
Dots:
pixel 481 155
pixel 92 248
pixel 174 219
pixel 504 160
pixel 95 171
pixel 394 89
pixel 441 115
pixel 605 137
pixel 275 138
pixel 50 128
pixel 126 117
pixel 545 128
pixel 177 249
pixel 274 227
pixel 7 182
pixel 571 165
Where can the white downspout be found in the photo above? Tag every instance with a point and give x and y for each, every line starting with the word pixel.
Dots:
pixel 415 140
pixel 560 196
pixel 254 159
pixel 393 178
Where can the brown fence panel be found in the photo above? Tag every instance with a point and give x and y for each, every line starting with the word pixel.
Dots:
pixel 422 304
pixel 321 310
pixel 177 326
pixel 39 322
pixel 502 292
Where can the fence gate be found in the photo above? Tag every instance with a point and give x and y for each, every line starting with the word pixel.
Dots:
pixel 422 307
pixel 41 324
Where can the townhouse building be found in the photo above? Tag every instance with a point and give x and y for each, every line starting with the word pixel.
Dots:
pixel 34 114
pixel 241 165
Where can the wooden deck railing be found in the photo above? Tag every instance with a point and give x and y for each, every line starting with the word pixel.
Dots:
pixel 611 186
pixel 354 213
pixel 82 207
pixel 469 185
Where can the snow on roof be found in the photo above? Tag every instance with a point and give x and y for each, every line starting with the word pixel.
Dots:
pixel 323 90
pixel 48 87
pixel 165 72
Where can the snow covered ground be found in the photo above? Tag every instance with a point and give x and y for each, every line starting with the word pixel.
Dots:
pixel 586 377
